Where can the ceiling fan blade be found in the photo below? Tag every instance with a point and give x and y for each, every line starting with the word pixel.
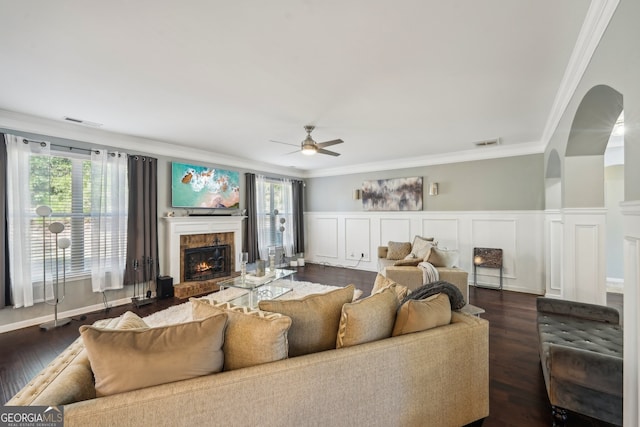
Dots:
pixel 285 143
pixel 331 153
pixel 329 143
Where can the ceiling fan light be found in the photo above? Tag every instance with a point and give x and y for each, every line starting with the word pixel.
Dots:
pixel 308 150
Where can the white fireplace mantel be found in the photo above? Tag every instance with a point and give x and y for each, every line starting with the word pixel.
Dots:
pixel 181 225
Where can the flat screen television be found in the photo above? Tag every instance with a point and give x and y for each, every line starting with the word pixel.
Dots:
pixel 195 186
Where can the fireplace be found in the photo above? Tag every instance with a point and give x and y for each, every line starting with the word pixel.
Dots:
pixel 190 232
pixel 207 262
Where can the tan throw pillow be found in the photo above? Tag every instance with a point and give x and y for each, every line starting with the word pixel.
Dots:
pixel 383 282
pixel 123 360
pixel 130 320
pixel 252 337
pixel 421 247
pixel 409 262
pixel 443 258
pixel 420 315
pixel 398 250
pixel 369 319
pixel 314 319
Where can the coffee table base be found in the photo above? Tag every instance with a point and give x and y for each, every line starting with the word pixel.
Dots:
pixel 265 292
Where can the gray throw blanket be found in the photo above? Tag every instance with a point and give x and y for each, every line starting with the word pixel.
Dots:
pixel 425 291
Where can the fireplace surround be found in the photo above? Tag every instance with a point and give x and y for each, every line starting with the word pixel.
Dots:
pixel 191 232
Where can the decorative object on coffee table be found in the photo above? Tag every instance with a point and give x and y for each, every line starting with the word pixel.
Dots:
pixel 260 265
pixel 244 258
pixel 272 258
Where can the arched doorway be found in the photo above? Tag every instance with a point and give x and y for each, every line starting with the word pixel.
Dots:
pixel 583 195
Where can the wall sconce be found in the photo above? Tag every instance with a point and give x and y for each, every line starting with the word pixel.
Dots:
pixel 357 194
pixel 433 189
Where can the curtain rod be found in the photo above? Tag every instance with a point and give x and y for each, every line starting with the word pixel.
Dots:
pixel 44 144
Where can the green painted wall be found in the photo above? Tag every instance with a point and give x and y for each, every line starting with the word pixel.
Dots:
pixel 510 183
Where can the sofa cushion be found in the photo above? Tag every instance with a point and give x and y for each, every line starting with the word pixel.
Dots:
pixel 383 282
pixel 369 319
pixel 252 337
pixel 124 360
pixel 314 319
pixel 421 248
pixel 443 258
pixel 455 296
pixel 398 250
pixel 420 315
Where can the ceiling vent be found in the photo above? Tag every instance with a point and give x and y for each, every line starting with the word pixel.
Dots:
pixel 82 122
pixel 487 142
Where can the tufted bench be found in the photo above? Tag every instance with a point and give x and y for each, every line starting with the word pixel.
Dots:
pixel 581 355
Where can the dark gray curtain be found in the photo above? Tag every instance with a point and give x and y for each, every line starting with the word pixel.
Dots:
pixel 5 281
pixel 142 239
pixel 250 243
pixel 298 216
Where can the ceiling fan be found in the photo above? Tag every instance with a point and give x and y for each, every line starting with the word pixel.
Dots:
pixel 310 147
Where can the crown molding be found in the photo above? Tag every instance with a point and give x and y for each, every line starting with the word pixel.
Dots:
pixel 480 153
pixel 53 128
pixel 595 23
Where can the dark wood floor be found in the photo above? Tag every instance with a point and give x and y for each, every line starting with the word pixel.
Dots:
pixel 517 392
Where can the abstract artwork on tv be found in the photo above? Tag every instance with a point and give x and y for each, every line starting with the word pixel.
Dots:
pixel 396 194
pixel 204 187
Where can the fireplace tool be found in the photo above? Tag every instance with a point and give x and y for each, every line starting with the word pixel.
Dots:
pixel 62 243
pixel 142 299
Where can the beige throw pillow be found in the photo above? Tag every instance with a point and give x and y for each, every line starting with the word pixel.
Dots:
pixel 123 360
pixel 130 320
pixel 369 319
pixel 420 315
pixel 420 248
pixel 443 258
pixel 314 319
pixel 383 282
pixel 398 250
pixel 408 262
pixel 252 337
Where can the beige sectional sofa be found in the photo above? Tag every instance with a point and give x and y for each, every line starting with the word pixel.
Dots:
pixel 412 277
pixel 438 377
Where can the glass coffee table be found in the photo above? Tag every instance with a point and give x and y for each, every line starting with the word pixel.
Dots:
pixel 258 288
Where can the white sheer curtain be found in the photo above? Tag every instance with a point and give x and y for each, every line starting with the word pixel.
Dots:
pixel 109 209
pixel 20 213
pixel 263 216
pixel 287 213
pixel 270 196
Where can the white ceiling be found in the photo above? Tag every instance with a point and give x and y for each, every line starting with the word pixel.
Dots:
pixel 395 80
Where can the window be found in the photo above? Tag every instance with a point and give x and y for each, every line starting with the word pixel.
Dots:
pixel 274 209
pixel 274 214
pixel 62 182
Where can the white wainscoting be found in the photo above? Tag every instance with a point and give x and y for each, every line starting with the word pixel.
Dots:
pixel 631 404
pixel 332 238
pixel 584 266
pixel 553 253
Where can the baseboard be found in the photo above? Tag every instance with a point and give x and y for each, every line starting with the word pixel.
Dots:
pixel 69 313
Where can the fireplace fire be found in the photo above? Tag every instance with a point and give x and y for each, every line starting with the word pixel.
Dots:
pixel 207 262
